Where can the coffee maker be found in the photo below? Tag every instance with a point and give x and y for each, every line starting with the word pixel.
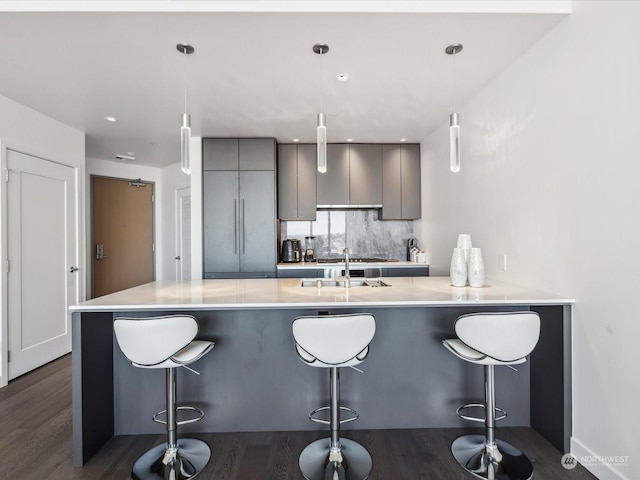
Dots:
pixel 290 251
pixel 310 249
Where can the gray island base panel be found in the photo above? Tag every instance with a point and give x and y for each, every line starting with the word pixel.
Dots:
pixel 410 380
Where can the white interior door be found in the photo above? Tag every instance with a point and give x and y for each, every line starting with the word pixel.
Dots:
pixel 183 234
pixel 41 250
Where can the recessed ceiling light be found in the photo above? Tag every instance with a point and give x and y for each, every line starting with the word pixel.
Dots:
pixel 131 154
pixel 111 119
pixel 296 140
pixel 403 139
pixel 349 139
pixel 343 77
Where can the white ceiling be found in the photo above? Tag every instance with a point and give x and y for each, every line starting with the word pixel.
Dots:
pixel 253 73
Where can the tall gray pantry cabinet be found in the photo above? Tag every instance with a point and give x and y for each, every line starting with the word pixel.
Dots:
pixel 239 207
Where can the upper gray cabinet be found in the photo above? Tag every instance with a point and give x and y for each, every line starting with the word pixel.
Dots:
pixel 296 182
pixel 333 185
pixel 401 195
pixel 237 154
pixel 365 174
pixel 353 176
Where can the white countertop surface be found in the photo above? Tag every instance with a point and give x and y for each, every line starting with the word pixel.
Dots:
pixel 287 293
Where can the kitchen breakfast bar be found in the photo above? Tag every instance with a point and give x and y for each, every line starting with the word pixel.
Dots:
pixel 254 381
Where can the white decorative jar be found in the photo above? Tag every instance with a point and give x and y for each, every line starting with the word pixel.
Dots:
pixel 464 242
pixel 475 268
pixel 458 270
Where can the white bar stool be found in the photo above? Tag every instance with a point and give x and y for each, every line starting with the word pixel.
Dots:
pixel 333 342
pixel 492 339
pixel 166 342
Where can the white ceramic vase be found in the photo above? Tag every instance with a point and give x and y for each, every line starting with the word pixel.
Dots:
pixel 464 242
pixel 458 270
pixel 475 268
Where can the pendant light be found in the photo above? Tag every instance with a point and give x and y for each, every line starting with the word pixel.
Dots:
pixel 454 118
pixel 321 132
pixel 185 126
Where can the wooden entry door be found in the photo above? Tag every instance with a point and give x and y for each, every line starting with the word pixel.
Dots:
pixel 122 234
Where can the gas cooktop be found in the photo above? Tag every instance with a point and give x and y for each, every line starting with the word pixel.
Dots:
pixel 355 260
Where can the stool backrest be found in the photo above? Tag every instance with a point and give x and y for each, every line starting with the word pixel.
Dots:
pixel 334 339
pixel 504 336
pixel 149 341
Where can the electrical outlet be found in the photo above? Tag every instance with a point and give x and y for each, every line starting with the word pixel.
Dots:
pixel 503 261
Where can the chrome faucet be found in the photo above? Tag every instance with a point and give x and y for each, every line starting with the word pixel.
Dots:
pixel 347 274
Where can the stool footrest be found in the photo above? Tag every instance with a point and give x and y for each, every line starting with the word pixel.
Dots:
pixel 161 417
pixel 313 416
pixel 460 412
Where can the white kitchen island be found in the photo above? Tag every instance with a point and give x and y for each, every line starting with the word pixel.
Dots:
pixel 253 380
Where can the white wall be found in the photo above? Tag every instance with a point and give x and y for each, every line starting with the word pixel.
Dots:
pixel 30 132
pixel 551 177
pixel 172 178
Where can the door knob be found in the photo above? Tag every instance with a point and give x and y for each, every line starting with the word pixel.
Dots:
pixel 178 257
pixel 73 269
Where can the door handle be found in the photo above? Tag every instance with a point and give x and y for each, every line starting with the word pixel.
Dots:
pixel 73 269
pixel 235 226
pixel 243 236
pixel 100 251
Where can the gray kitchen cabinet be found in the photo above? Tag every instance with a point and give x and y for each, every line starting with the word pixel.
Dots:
pixel 353 176
pixel 401 195
pixel 406 272
pixel 333 185
pixel 300 273
pixel 238 154
pixel 365 174
pixel 239 209
pixel 297 182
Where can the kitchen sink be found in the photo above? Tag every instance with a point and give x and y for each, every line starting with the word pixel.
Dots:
pixel 325 282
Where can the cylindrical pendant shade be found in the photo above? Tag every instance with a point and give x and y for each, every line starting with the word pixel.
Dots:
pixel 322 144
pixel 185 137
pixel 454 143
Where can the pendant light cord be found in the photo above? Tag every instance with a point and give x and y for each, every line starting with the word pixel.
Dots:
pixel 321 80
pixel 454 81
pixel 185 78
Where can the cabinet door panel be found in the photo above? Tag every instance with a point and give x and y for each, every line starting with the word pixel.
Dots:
pixel 257 154
pixel 257 222
pixel 333 185
pixel 288 182
pixel 411 195
pixel 220 154
pixel 391 182
pixel 307 171
pixel 220 211
pixel 365 174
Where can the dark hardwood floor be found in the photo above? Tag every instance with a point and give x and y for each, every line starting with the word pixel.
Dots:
pixel 35 444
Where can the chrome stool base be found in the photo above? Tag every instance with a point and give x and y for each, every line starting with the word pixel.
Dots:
pixel 188 461
pixel 315 464
pixel 472 454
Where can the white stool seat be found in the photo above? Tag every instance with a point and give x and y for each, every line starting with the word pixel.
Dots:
pixel 189 354
pixel 465 352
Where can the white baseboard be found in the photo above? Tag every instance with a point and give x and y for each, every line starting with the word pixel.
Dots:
pixel 603 471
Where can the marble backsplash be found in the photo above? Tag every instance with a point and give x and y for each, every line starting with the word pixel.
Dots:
pixel 359 230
